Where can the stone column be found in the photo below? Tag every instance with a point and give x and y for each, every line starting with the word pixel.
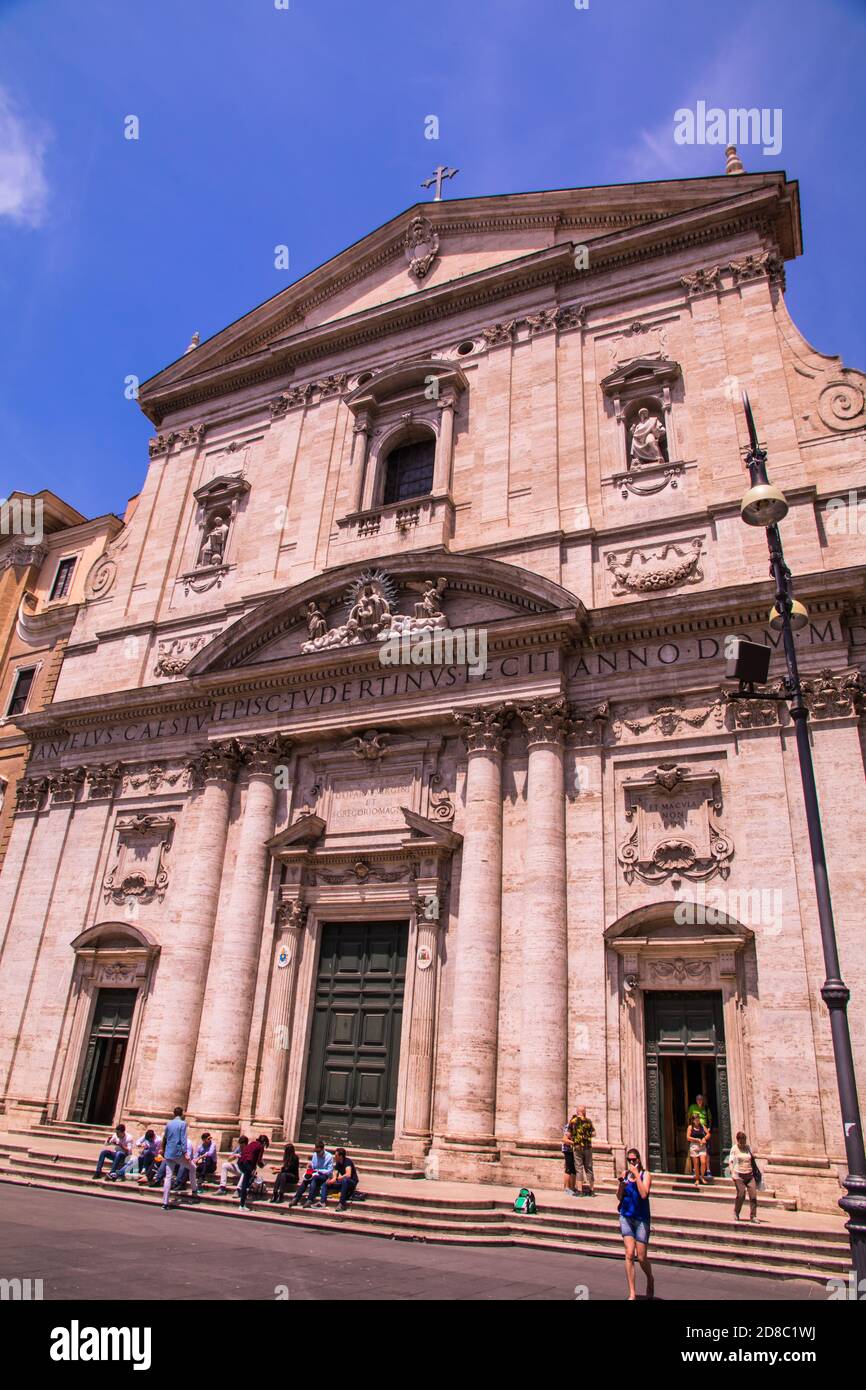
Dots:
pixel 475 1005
pixel 444 447
pixel 271 1098
pixel 544 986
pixel 231 981
pixel 360 436
pixel 419 1082
pixel 164 1083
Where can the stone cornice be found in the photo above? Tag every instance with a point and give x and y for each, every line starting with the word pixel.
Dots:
pixel 740 605
pixel 648 239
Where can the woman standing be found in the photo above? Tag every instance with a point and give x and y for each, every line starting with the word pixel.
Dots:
pixel 698 1137
pixel 634 1220
pixel 741 1166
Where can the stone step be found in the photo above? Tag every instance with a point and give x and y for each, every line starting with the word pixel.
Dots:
pixel 373 1160
pixel 793 1258
pixel 564 1224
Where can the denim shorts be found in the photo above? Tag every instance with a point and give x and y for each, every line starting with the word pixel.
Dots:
pixel 638 1230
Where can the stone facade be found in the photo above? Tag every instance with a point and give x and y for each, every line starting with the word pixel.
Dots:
pixel 229 778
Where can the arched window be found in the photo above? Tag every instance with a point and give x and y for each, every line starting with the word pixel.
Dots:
pixel 409 471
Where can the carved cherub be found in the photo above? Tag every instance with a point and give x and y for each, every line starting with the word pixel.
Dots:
pixel 430 605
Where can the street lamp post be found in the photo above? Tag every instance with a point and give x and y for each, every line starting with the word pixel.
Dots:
pixel 765 505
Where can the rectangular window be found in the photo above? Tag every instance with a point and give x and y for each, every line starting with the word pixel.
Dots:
pixel 21 690
pixel 63 578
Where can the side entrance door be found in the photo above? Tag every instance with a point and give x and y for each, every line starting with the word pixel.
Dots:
pixel 351 1088
pixel 685 1057
pixel 105 1057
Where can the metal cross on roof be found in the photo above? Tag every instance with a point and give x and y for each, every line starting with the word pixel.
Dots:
pixel 437 177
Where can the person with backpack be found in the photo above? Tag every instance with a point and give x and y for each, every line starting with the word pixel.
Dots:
pixel 745 1174
pixel 251 1157
pixel 634 1220
pixel 230 1167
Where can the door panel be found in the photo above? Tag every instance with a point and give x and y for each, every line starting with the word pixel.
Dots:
pixel 105 1056
pixel 685 1055
pixel 351 1087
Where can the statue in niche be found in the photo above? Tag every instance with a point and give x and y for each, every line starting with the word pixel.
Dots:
pixel 645 446
pixel 213 546
pixel 430 605
pixel 369 614
pixel 316 625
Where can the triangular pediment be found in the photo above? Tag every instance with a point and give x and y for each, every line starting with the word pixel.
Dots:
pixel 459 240
pixel 473 592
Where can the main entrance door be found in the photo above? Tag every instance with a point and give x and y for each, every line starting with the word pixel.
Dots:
pixel 105 1056
pixel 351 1091
pixel 685 1057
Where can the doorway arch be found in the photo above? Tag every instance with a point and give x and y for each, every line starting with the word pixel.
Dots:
pixel 673 969
pixel 112 973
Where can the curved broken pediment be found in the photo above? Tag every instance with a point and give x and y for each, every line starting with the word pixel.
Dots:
pixel 473 592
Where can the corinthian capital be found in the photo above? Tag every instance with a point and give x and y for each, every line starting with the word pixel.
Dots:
pixel 263 753
pixel 485 728
pixel 546 721
pixel 217 762
pixel 292 914
pixel 29 793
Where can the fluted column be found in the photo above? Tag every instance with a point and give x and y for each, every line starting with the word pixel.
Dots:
pixel 544 983
pixel 475 1005
pixel 231 981
pixel 445 446
pixel 271 1097
pixel 419 1082
pixel 360 436
pixel 165 1083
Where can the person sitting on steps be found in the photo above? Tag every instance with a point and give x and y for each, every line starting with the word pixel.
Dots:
pixel 319 1170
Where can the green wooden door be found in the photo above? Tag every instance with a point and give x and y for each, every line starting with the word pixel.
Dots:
pixel 105 1056
pixel 351 1089
pixel 685 1053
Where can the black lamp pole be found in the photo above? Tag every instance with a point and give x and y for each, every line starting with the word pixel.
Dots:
pixel 834 991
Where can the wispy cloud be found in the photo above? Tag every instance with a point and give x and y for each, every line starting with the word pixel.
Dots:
pixel 23 185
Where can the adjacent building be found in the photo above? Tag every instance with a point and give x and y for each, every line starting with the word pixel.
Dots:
pixel 46 551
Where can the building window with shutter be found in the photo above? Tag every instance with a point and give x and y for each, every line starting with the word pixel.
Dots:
pixel 62 579
pixel 21 691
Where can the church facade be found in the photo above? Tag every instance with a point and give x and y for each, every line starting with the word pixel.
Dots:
pixel 389 790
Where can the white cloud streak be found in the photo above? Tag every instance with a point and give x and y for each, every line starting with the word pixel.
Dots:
pixel 23 185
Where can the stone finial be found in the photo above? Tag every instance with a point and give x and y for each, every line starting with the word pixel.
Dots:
pixel 193 343
pixel 733 163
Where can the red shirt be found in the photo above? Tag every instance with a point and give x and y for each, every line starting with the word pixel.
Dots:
pixel 253 1152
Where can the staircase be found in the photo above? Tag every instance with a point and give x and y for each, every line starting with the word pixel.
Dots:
pixel 689 1229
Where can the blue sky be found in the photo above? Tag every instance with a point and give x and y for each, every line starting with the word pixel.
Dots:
pixel 261 126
